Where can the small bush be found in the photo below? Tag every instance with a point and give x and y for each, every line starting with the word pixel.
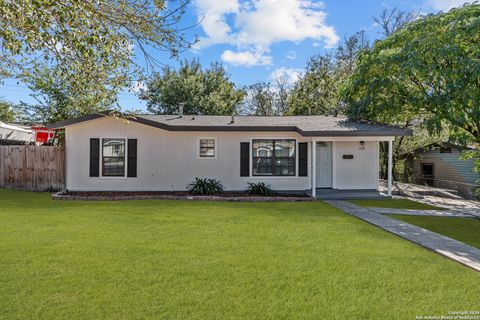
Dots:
pixel 260 189
pixel 204 186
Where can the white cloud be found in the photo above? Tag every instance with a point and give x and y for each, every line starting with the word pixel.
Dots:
pixel 213 14
pixel 290 74
pixel 266 21
pixel 445 5
pixel 291 55
pixel 246 58
pixel 254 25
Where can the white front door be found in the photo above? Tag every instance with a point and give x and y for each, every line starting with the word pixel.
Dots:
pixel 324 164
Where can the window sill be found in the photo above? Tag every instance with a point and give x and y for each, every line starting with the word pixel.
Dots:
pixel 113 178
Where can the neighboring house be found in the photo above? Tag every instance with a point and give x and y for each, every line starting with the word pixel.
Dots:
pixel 164 153
pixel 42 134
pixel 13 134
pixel 439 165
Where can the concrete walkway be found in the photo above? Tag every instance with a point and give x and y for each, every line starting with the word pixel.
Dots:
pixel 438 197
pixel 443 245
pixel 416 212
pixel 470 207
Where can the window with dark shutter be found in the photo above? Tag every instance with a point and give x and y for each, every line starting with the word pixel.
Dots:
pixel 113 157
pixel 244 159
pixel 94 157
pixel 132 158
pixel 273 157
pixel 303 159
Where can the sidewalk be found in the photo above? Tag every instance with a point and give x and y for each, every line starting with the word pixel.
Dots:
pixel 450 248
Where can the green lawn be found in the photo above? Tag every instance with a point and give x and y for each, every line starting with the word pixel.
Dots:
pixel 395 204
pixel 463 229
pixel 212 260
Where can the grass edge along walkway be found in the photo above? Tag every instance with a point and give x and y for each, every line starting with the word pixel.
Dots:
pixel 448 247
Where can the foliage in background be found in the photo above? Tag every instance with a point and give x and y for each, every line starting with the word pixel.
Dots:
pixel 260 189
pixel 204 186
pixel 392 20
pixel 315 93
pixel 423 75
pixel 427 72
pixel 317 90
pixel 475 155
pixel 7 111
pixel 55 101
pixel 267 99
pixel 405 151
pixel 86 46
pixel 428 69
pixel 260 100
pixel 208 91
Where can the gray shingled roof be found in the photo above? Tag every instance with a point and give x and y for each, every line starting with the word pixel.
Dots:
pixel 304 125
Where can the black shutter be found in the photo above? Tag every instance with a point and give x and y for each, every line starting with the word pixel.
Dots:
pixel 303 159
pixel 132 158
pixel 244 159
pixel 94 157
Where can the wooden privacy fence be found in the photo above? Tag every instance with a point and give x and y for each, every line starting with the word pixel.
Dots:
pixel 33 168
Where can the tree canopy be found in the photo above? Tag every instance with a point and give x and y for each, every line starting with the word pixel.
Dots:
pixel 86 45
pixel 267 99
pixel 428 70
pixel 425 74
pixel 7 112
pixel 199 91
pixel 317 91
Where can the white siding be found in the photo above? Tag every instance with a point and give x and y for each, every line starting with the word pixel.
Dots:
pixel 168 160
pixel 450 171
pixel 449 166
pixel 362 171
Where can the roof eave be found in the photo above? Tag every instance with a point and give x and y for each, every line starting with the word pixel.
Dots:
pixel 66 123
pixel 358 133
pixel 227 128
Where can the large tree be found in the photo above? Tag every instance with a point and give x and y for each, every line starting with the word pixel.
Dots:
pixel 55 100
pixel 315 93
pixel 267 99
pixel 199 91
pixel 317 90
pixel 87 45
pixel 392 20
pixel 428 71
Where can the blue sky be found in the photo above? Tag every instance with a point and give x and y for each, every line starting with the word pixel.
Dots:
pixel 259 40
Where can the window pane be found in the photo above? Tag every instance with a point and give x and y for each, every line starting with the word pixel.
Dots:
pixel 113 153
pixel 274 157
pixel 262 166
pixel 207 143
pixel 207 147
pixel 284 148
pixel 114 167
pixel 262 148
pixel 207 152
pixel 284 166
pixel 113 147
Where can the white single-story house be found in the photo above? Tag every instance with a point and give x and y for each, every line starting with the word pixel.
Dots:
pixel 166 152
